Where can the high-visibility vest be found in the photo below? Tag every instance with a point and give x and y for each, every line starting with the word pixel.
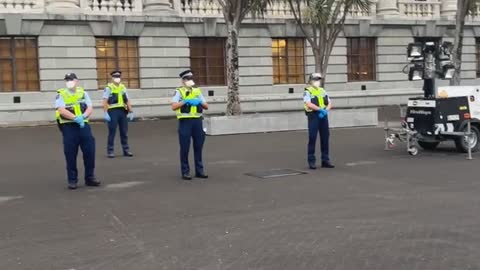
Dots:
pixel 74 103
pixel 187 111
pixel 318 97
pixel 118 96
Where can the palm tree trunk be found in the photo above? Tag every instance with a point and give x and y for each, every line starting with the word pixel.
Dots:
pixel 321 63
pixel 458 44
pixel 233 77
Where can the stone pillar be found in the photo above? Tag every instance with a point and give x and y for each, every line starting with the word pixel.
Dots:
pixel 387 8
pixel 448 9
pixel 62 6
pixel 156 6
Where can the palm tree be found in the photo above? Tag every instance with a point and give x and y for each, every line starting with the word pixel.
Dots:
pixel 234 12
pixel 464 8
pixel 321 21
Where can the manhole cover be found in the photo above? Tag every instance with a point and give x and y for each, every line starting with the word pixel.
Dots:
pixel 275 173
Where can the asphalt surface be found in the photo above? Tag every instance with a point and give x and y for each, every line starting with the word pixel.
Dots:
pixel 377 210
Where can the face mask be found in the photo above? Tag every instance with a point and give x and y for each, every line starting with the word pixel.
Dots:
pixel 70 84
pixel 117 80
pixel 316 83
pixel 190 83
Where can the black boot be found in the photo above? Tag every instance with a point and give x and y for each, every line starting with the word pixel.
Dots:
pixel 201 175
pixel 72 186
pixel 327 164
pixel 187 177
pixel 93 183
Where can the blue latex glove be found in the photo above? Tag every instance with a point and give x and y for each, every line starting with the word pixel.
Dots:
pixel 322 114
pixel 198 102
pixel 80 121
pixel 193 102
pixel 106 116
pixel 131 116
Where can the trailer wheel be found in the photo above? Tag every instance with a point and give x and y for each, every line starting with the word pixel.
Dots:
pixel 413 151
pixel 462 142
pixel 428 145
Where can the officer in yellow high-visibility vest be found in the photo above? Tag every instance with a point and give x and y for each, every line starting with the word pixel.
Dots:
pixel 73 108
pixel 317 104
pixel 117 112
pixel 189 103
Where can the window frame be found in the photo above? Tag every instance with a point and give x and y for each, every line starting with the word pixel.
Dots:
pixel 116 58
pixel 13 61
pixel 286 56
pixel 351 77
pixel 204 41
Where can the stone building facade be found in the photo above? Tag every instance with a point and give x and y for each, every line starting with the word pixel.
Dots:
pixel 153 40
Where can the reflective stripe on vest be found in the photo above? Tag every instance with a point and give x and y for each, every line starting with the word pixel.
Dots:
pixel 187 111
pixel 74 103
pixel 317 95
pixel 118 93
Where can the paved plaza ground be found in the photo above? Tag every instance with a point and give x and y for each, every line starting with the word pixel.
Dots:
pixel 376 210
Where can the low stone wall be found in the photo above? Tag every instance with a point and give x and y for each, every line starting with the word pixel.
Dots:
pixel 32 112
pixel 286 121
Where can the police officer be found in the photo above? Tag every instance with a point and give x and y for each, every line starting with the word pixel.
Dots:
pixel 73 108
pixel 189 103
pixel 118 110
pixel 317 104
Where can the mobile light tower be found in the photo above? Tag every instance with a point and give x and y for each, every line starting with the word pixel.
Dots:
pixel 451 113
pixel 429 61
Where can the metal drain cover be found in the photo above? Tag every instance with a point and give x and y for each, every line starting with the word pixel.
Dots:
pixel 274 173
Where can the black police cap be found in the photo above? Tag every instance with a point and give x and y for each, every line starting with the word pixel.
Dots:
pixel 116 73
pixel 186 73
pixel 70 77
pixel 315 76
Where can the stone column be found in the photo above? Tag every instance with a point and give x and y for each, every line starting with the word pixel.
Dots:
pixel 62 6
pixel 448 9
pixel 156 6
pixel 387 8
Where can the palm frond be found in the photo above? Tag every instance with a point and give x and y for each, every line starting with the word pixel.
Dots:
pixel 471 7
pixel 318 11
pixel 322 12
pixel 255 8
pixel 361 5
